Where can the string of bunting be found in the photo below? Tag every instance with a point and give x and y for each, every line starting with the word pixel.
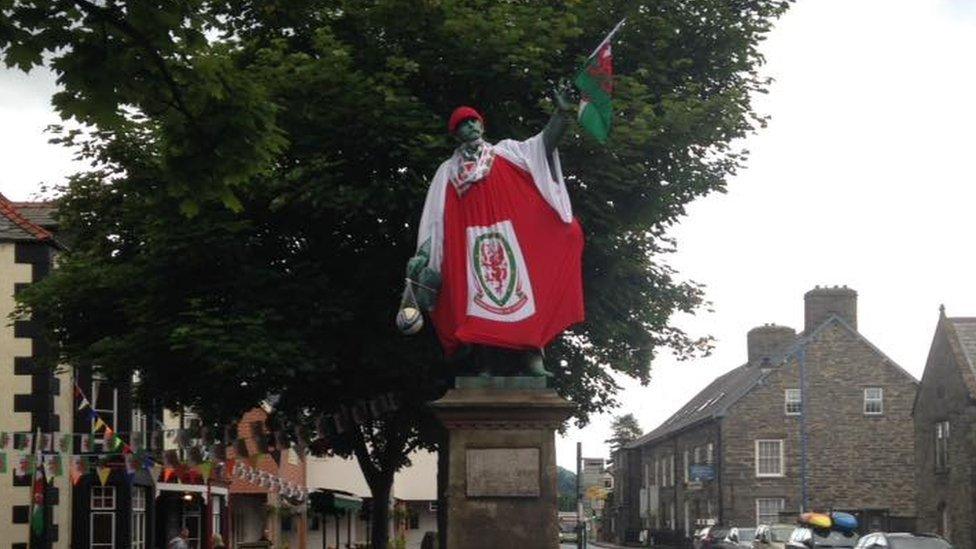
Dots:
pixel 45 453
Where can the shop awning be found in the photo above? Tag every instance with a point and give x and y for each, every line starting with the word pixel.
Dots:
pixel 334 502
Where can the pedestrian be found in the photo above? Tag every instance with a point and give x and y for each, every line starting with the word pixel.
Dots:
pixel 218 542
pixel 179 542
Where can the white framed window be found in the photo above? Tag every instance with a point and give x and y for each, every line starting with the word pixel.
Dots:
pixel 769 458
pixel 942 446
pixel 138 530
pixel 873 401
pixel 768 509
pixel 794 403
pixel 105 402
pixel 687 465
pixel 698 455
pixel 101 532
pixel 103 498
pixel 709 453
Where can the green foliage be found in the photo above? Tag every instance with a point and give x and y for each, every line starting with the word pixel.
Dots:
pixel 624 429
pixel 566 489
pixel 259 168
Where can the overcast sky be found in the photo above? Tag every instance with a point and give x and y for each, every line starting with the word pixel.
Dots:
pixel 864 177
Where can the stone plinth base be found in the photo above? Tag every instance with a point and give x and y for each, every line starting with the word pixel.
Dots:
pixel 502 464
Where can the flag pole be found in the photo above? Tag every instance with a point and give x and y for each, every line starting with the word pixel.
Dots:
pixel 609 36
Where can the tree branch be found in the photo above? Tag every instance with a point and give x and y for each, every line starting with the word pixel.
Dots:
pixel 105 14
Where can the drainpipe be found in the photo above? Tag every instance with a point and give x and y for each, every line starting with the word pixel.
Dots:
pixel 717 461
pixel 801 357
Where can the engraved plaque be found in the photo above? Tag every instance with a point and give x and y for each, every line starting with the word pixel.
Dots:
pixel 503 472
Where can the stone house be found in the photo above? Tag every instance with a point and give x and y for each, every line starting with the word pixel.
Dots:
pixel 818 420
pixel 945 437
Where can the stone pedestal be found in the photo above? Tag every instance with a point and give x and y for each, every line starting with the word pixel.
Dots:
pixel 502 463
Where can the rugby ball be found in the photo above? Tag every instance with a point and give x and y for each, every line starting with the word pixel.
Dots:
pixel 409 320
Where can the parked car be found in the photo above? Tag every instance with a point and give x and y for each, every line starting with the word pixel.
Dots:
pixel 712 537
pixel 804 537
pixel 567 533
pixel 902 540
pixel 772 536
pixel 740 538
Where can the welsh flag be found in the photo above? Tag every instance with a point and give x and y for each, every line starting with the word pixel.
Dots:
pixel 37 500
pixel 595 83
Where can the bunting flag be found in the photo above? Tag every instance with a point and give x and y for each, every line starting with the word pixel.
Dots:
pixel 24 462
pixel 77 469
pixel 99 424
pixel 37 502
pixel 87 443
pixel 103 473
pixel 52 466
pixel 130 466
pixel 205 469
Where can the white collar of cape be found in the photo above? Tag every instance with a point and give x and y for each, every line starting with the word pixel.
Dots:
pixel 529 155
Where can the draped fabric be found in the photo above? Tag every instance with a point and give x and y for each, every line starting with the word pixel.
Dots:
pixel 508 249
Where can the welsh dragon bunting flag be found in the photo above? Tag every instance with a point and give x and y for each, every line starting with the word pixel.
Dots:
pixel 37 500
pixel 595 83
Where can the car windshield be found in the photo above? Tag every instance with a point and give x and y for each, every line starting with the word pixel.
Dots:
pixel 833 538
pixel 746 534
pixel 780 534
pixel 917 542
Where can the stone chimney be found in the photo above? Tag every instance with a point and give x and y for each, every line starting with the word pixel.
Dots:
pixel 768 342
pixel 821 303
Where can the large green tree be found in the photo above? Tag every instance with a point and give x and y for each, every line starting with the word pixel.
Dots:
pixel 258 169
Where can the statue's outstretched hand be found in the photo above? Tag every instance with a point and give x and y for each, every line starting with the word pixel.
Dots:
pixel 561 96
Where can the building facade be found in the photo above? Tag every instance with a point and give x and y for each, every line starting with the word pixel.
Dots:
pixel 813 421
pixel 945 434
pixel 33 399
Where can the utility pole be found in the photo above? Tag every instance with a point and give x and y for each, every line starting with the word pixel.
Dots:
pixel 580 525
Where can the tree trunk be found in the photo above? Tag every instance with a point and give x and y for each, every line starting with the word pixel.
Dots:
pixel 380 514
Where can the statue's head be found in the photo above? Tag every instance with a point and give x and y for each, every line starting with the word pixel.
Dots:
pixel 466 124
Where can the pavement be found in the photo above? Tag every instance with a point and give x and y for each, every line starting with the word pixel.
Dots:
pixel 600 544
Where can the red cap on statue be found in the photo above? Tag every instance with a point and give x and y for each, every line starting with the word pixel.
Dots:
pixel 461 114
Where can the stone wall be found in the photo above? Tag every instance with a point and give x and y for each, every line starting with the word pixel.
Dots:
pixel 945 495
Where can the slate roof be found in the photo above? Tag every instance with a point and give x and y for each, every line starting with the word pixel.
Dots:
pixel 713 401
pixel 14 225
pixel 709 403
pixel 964 329
pixel 39 213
